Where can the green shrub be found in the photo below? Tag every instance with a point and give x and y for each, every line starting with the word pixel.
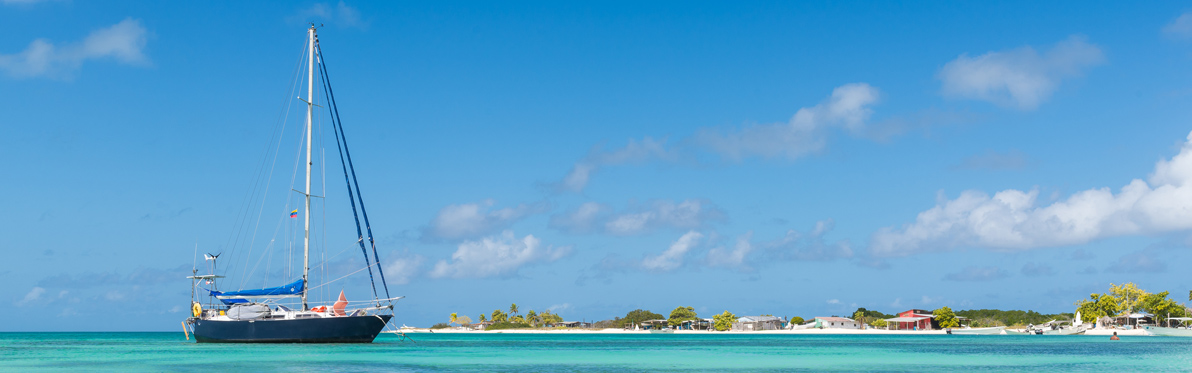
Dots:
pixel 508 325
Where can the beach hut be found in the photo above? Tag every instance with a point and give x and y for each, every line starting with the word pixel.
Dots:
pixel 754 323
pixel 480 325
pixel 574 324
pixel 697 324
pixel 655 324
pixel 911 320
pixel 836 323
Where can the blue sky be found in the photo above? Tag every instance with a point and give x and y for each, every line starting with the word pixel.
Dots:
pixel 796 159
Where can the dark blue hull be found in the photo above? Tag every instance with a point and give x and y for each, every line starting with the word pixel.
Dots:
pixel 346 329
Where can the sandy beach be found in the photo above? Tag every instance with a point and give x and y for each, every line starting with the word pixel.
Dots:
pixel 1104 332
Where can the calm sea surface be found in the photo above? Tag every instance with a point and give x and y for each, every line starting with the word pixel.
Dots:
pixel 583 353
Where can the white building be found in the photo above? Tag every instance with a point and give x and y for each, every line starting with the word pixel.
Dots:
pixel 836 323
pixel 751 323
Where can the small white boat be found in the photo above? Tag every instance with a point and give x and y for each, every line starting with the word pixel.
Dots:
pixel 1182 331
pixel 1064 331
pixel 1168 332
pixel 979 331
pixel 662 331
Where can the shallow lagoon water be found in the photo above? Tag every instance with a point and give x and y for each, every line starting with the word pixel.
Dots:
pixel 599 353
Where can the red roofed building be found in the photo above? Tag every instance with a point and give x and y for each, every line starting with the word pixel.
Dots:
pixel 912 320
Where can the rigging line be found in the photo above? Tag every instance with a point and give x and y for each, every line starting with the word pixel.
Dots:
pixel 260 214
pixel 323 176
pixel 272 241
pixel 277 134
pixel 337 121
pixel 341 251
pixel 355 215
pixel 345 276
pixel 279 129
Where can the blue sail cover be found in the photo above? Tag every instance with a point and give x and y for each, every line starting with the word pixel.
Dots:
pixel 232 297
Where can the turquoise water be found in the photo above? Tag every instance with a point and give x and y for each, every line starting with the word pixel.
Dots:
pixel 590 353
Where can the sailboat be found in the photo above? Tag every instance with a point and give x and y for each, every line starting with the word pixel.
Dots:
pixel 258 315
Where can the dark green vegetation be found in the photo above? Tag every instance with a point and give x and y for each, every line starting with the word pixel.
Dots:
pixel 630 319
pixel 987 318
pixel 508 325
pixel 681 314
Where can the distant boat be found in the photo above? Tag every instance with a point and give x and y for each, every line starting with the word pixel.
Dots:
pixel 252 315
pixel 662 331
pixel 979 331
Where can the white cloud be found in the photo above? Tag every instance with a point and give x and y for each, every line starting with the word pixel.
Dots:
pixel 1022 77
pixel 33 295
pixel 672 258
pixel 735 258
pixel 792 246
pixel 1181 27
pixel 581 220
pixel 804 133
pixel 500 255
pixel 401 270
pixel 809 246
pixel 475 219
pixel 633 152
pixel 634 220
pixel 339 15
pixel 1013 220
pixel 833 301
pixel 690 213
pixel 123 42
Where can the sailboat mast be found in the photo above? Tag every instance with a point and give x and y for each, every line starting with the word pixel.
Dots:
pixel 310 96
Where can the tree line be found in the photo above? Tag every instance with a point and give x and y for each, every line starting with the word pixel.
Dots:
pixel 1118 301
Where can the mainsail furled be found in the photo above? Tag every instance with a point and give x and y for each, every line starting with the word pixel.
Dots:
pixel 243 296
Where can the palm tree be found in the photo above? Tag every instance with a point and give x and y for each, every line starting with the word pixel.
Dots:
pixel 532 318
pixel 482 319
pixel 513 309
pixel 453 318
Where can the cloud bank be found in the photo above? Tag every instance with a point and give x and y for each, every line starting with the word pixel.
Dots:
pixel 1013 220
